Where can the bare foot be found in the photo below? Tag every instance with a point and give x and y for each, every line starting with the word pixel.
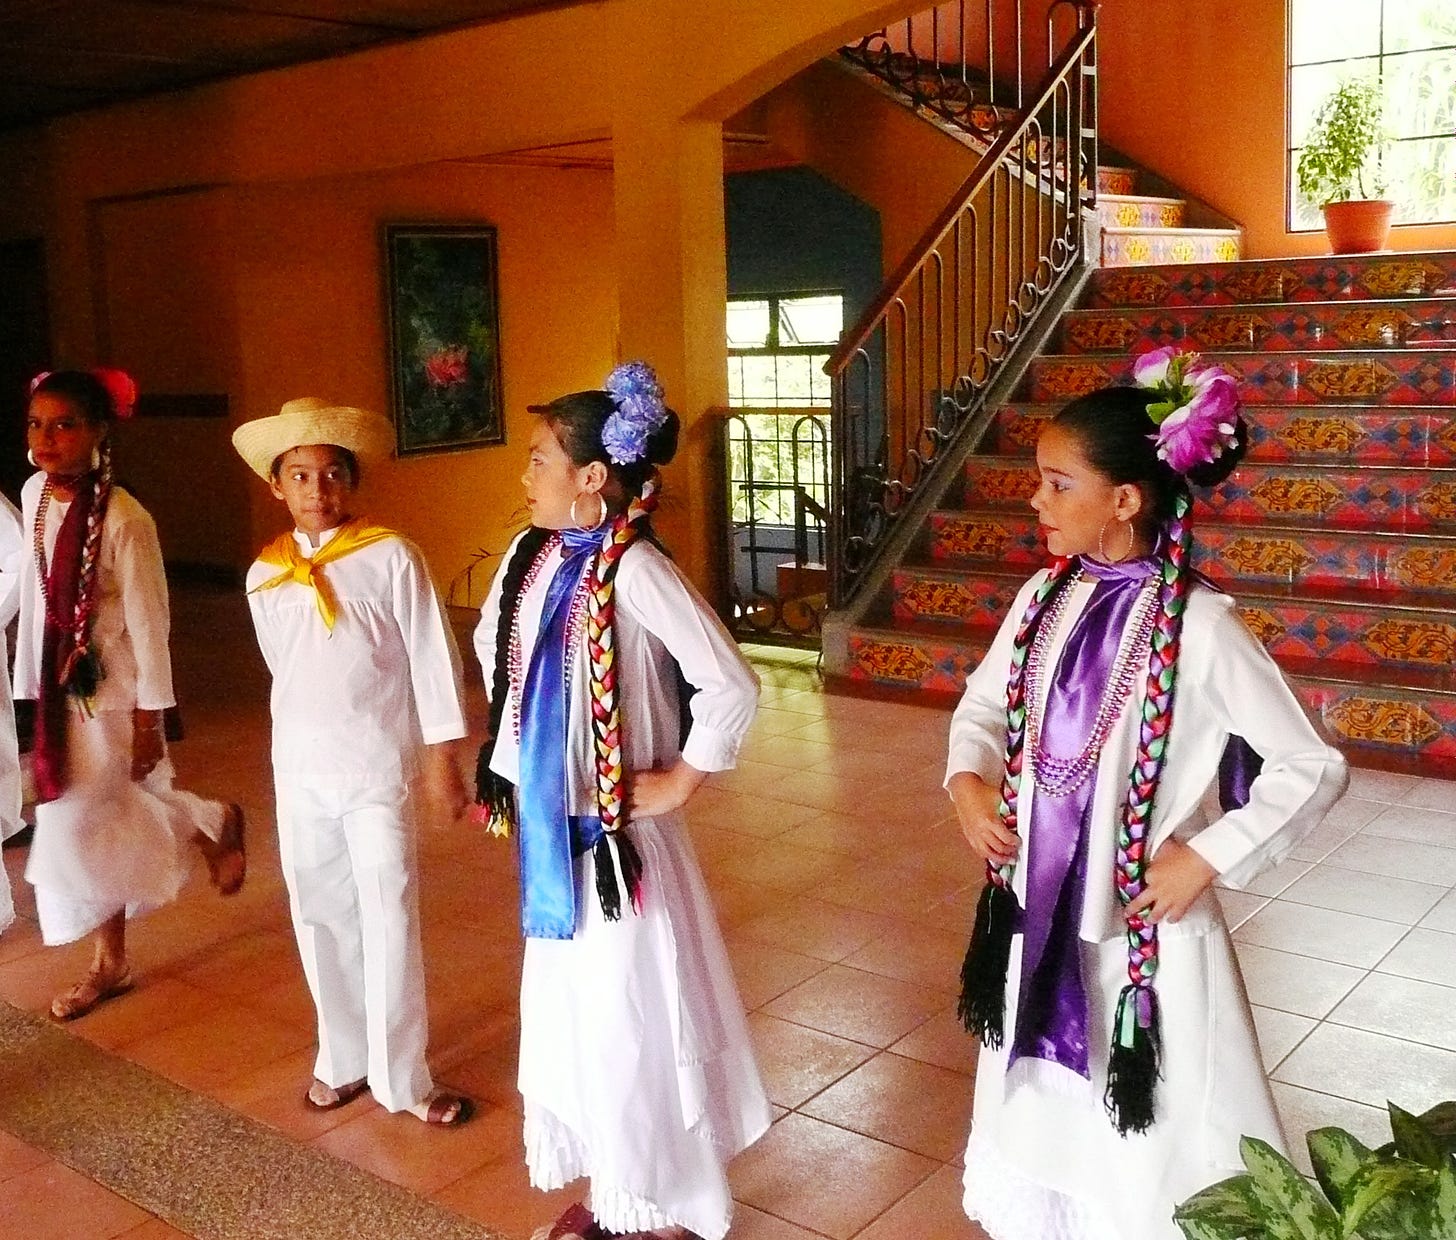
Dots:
pixel 96 987
pixel 227 856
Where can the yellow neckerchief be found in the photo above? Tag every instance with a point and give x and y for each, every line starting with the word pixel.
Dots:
pixel 283 553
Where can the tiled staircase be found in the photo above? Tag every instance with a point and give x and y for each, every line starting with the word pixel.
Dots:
pixel 1139 229
pixel 1337 535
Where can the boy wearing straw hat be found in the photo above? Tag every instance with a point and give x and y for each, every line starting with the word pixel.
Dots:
pixel 366 698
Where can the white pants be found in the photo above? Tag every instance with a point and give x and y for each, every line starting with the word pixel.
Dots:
pixel 349 861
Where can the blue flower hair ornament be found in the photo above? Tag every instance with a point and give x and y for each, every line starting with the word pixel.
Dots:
pixel 634 388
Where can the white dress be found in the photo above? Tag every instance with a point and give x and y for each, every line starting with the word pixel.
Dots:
pixel 13 561
pixel 108 843
pixel 636 1063
pixel 1043 1161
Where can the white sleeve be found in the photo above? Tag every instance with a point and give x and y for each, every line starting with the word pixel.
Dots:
pixel 434 662
pixel 1302 777
pixel 141 581
pixel 13 560
pixel 663 601
pixel 978 726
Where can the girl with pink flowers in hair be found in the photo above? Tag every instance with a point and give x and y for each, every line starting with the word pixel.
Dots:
pixel 113 837
pixel 1089 769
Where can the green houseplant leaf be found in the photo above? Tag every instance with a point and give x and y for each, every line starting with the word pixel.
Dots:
pixel 1443 1221
pixel 1228 1210
pixel 1283 1191
pixel 1337 1158
pixel 1389 1201
pixel 1414 1139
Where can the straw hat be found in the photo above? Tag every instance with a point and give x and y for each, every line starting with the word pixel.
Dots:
pixel 309 420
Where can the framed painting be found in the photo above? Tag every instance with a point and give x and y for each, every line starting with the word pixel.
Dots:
pixel 444 337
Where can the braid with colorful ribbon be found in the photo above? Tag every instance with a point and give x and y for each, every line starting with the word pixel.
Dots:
pixel 81 671
pixel 982 1006
pixel 606 707
pixel 1133 1065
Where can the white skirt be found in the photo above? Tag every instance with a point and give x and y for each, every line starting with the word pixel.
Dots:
pixel 1044 1161
pixel 109 844
pixel 636 1065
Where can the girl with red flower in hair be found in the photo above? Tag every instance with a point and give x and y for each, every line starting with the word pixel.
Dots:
pixel 113 837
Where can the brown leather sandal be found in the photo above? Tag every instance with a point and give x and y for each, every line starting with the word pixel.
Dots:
pixel 342 1094
pixel 448 1109
pixel 88 992
pixel 576 1223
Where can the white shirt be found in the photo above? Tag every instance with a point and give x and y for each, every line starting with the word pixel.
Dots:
pixel 352 707
pixel 660 617
pixel 131 621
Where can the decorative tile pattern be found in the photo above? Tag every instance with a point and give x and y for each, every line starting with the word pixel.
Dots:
pixel 1154 245
pixel 1010 538
pixel 1300 629
pixel 1125 211
pixel 1278 328
pixel 1391 376
pixel 1374 721
pixel 1424 568
pixel 968 600
pixel 1116 180
pixel 1349 277
pixel 999 483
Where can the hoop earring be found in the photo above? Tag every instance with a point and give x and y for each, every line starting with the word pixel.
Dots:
pixel 30 456
pixel 95 459
pixel 601 516
pixel 1102 534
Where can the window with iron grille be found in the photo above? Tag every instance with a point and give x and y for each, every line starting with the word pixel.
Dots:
pixel 777 347
pixel 1409 47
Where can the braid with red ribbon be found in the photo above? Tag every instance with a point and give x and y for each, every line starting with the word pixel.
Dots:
pixel 606 707
pixel 1133 1065
pixel 982 1006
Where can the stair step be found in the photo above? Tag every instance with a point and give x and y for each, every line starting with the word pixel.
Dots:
pixel 1231 553
pixel 1139 211
pixel 1387 376
pixel 1372 435
pixel 1384 724
pixel 1388 497
pixel 1351 277
pixel 1358 627
pixel 1114 180
pixel 1139 247
pixel 1279 327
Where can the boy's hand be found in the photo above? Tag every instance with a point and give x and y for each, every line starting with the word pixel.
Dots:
pixel 977 805
pixel 1176 876
pixel 147 748
pixel 444 787
pixel 650 793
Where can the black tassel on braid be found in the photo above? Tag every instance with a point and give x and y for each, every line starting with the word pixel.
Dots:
pixel 494 792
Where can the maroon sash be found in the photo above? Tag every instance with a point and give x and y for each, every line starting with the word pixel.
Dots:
pixel 58 644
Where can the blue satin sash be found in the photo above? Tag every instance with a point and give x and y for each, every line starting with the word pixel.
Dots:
pixel 549 836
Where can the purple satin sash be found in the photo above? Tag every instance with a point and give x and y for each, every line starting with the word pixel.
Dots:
pixel 1051 1015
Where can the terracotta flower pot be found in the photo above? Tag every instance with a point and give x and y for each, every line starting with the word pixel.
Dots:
pixel 1358 226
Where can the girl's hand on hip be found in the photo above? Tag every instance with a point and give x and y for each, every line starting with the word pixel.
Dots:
pixel 1176 876
pixel 978 805
pixel 147 746
pixel 650 793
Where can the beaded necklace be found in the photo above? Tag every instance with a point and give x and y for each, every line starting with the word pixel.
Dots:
pixel 1057 776
pixel 575 620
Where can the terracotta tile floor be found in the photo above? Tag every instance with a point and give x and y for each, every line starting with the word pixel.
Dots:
pixel 844 896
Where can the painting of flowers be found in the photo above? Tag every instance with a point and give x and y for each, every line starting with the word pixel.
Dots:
pixel 444 327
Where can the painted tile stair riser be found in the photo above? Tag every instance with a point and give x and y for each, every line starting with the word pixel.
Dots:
pixel 1385 497
pixel 1300 279
pixel 1388 377
pixel 1369 435
pixel 1428 323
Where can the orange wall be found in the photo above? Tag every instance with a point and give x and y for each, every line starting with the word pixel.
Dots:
pixel 1195 91
pixel 311 320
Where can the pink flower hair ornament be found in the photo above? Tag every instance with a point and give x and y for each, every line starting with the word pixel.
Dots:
pixel 119 385
pixel 1198 414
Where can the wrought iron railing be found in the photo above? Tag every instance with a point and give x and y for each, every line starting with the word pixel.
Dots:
pixel 916 368
pixel 778 489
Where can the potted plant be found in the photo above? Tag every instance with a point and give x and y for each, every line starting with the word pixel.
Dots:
pixel 1405 1190
pixel 1342 150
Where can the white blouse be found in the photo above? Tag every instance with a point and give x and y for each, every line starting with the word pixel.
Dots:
pixel 1226 685
pixel 131 622
pixel 660 618
pixel 351 707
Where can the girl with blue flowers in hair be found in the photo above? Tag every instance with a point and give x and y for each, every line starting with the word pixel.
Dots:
pixel 1089 768
pixel 636 1066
